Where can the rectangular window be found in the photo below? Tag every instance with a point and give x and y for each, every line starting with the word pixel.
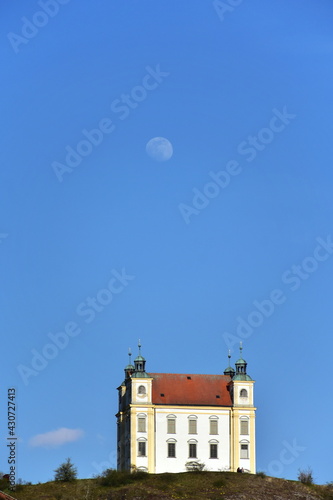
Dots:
pixel 213 451
pixel 142 449
pixel 171 426
pixel 171 450
pixel 213 427
pixel 192 426
pixel 141 424
pixel 244 451
pixel 244 426
pixel 192 450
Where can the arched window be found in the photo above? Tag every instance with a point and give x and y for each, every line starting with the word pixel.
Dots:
pixel 244 425
pixel 142 447
pixel 213 448
pixel 192 448
pixel 171 444
pixel 243 393
pixel 213 425
pixel 192 424
pixel 143 469
pixel 244 449
pixel 171 424
pixel 141 389
pixel 142 422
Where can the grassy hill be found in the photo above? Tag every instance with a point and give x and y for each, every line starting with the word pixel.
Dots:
pixel 190 485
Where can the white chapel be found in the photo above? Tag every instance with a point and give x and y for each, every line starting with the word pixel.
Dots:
pixel 166 420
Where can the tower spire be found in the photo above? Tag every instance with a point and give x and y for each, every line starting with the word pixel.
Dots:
pixel 129 369
pixel 139 364
pixel 229 370
pixel 241 365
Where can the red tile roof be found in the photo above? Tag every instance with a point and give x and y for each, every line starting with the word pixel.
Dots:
pixel 188 389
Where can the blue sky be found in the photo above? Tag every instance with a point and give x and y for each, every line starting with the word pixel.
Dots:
pixel 229 240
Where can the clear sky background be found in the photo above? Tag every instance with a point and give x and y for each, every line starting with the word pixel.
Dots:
pixel 244 95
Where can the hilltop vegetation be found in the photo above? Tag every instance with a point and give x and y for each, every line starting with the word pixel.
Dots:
pixel 190 485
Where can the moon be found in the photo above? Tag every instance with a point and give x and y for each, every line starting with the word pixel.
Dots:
pixel 159 149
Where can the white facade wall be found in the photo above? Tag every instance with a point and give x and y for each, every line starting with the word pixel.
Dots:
pixel 244 439
pixel 140 436
pixel 138 398
pixel 238 400
pixel 182 438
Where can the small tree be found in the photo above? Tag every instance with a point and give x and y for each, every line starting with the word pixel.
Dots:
pixel 305 476
pixel 66 471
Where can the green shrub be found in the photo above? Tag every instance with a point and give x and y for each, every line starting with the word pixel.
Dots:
pixel 115 478
pixel 305 476
pixel 3 484
pixel 261 474
pixel 138 475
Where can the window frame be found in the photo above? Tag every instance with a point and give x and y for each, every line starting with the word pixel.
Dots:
pixel 243 421
pixel 142 422
pixel 142 444
pixel 171 445
pixel 215 447
pixel 192 450
pixel 171 424
pixel 192 424
pixel 244 452
pixel 213 422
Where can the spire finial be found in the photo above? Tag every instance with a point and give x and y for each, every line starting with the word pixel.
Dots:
pixel 139 346
pixel 129 355
pixel 229 371
pixel 241 348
